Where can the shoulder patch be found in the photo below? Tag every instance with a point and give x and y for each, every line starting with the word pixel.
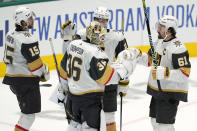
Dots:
pixel 177 43
pixel 27 34
pixel 97 67
pixel 181 60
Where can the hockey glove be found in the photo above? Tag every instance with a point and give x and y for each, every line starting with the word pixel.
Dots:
pixel 68 30
pixel 123 86
pixel 61 95
pixel 46 73
pixel 120 69
pixel 134 53
pixel 160 73
pixel 128 61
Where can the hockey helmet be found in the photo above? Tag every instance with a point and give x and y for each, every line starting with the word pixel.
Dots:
pixel 101 12
pixel 168 21
pixel 23 14
pixel 95 33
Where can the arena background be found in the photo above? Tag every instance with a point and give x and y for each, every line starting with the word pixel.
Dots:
pixel 51 14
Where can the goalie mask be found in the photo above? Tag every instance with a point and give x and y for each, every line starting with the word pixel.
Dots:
pixel 23 14
pixel 96 33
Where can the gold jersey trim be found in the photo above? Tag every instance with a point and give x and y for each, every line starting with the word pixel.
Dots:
pixel 63 73
pixel 20 75
pixel 86 92
pixel 185 71
pixel 35 65
pixel 123 83
pixel 166 90
pixel 106 76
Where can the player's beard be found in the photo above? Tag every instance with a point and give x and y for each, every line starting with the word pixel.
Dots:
pixel 30 26
pixel 159 36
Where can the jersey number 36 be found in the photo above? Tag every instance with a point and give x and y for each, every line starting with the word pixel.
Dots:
pixel 72 69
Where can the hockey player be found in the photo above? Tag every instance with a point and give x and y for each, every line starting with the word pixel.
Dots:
pixel 168 83
pixel 85 69
pixel 114 43
pixel 24 68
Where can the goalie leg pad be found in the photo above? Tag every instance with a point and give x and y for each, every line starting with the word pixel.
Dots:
pixel 25 121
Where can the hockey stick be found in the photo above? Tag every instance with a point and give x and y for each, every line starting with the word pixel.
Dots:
pixel 150 41
pixel 123 25
pixel 121 95
pixel 45 85
pixel 54 57
pixel 121 98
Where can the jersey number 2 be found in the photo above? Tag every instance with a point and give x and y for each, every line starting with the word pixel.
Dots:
pixel 73 70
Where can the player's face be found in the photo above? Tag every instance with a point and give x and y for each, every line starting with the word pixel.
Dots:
pixel 31 22
pixel 103 22
pixel 161 30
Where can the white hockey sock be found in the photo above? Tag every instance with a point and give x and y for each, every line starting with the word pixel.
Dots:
pixel 166 127
pixel 154 124
pixel 110 121
pixel 26 120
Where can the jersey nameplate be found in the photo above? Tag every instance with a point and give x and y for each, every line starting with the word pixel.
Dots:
pixel 76 49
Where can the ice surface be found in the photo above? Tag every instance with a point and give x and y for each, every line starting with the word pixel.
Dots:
pixel 135 106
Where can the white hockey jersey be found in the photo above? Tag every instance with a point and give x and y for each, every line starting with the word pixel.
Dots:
pixel 174 55
pixel 22 59
pixel 86 68
pixel 114 43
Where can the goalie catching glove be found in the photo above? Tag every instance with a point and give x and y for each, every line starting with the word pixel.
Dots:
pixel 68 30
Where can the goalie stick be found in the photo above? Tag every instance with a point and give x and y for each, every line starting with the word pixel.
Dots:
pixel 150 41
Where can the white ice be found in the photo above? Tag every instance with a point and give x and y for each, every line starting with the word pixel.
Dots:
pixel 135 106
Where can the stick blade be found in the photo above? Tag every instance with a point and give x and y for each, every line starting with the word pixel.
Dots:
pixel 45 85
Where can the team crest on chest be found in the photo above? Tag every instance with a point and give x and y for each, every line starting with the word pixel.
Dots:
pixel 177 43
